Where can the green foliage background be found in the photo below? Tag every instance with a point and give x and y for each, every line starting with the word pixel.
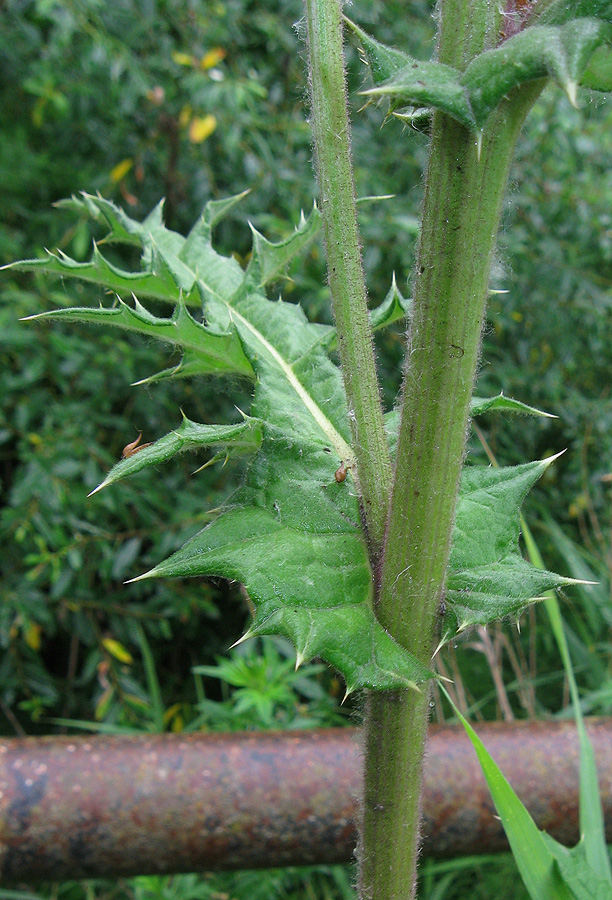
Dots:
pixel 85 86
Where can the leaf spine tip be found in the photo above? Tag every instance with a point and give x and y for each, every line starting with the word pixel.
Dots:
pixel 209 462
pixel 99 488
pixel 478 145
pixel 249 633
pixel 150 574
pixel 570 90
pixel 550 459
pixel 441 643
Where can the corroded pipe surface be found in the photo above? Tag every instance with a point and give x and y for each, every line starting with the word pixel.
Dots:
pixel 111 806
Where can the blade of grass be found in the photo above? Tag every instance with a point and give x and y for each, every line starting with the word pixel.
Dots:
pixel 534 858
pixel 592 830
pixel 157 705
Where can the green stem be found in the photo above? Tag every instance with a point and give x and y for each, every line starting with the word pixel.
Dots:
pixel 460 221
pixel 331 130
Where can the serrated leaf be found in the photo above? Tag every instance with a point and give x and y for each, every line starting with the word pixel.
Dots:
pixel 384 61
pixel 501 403
pixel 244 437
pixel 393 309
pixel 204 351
pixel 559 51
pixel 291 533
pixel 269 260
pixel 428 84
pixel 487 577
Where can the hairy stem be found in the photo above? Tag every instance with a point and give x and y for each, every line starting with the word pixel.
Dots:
pixel 331 130
pixel 461 213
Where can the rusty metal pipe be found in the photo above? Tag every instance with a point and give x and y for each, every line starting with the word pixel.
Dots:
pixel 116 806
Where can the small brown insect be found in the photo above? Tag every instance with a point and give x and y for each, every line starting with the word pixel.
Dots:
pixel 131 449
pixel 340 474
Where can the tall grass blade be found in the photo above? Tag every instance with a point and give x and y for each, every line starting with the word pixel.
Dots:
pixel 535 860
pixel 592 831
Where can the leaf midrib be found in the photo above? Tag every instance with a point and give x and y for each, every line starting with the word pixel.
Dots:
pixel 344 451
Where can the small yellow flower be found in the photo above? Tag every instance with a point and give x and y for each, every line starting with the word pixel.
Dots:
pixel 201 127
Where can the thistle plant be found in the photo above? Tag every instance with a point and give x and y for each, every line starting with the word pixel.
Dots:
pixel 362 536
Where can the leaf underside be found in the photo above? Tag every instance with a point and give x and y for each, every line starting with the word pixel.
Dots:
pixel 291 533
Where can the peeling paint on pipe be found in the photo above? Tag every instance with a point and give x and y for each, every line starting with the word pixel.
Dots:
pixel 116 806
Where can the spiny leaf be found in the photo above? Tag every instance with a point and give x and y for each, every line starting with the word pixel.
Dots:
pixel 158 282
pixel 314 587
pixel 204 351
pixel 487 577
pixel 122 229
pixel 270 260
pixel 486 519
pixel 561 52
pixel 501 403
pixel 170 263
pixel 393 309
pixel 244 437
pixel 537 52
pixel 428 84
pixel 484 594
pixel 478 406
pixel 291 533
pixel 384 61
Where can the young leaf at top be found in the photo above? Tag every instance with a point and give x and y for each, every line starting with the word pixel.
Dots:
pixel 561 51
